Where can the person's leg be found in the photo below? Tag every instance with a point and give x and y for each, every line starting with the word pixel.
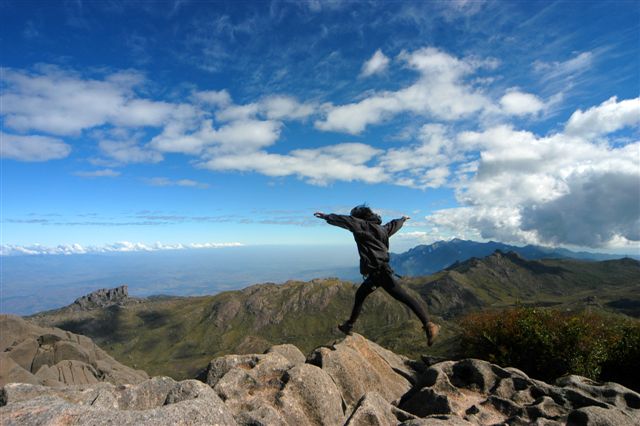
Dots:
pixel 395 289
pixel 365 289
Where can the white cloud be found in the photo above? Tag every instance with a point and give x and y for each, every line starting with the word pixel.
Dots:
pixel 175 137
pixel 236 136
pixel 32 147
pixel 597 208
pixel 163 181
pixel 246 135
pixel 128 151
pixel 553 70
pixel 98 173
pixel 219 98
pixel 439 92
pixel 142 112
pixel 376 64
pixel 282 107
pixel 272 107
pixel 557 189
pixel 515 102
pixel 607 117
pixel 238 112
pixel 122 246
pixel 61 102
pixel 320 166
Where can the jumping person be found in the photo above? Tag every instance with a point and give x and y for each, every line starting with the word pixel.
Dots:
pixel 372 239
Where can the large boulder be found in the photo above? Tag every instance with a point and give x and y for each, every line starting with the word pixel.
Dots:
pixel 358 366
pixel 275 388
pixel 54 357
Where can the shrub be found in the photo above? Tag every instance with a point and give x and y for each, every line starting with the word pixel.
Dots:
pixel 547 343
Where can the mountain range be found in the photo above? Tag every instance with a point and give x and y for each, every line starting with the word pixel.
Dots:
pixel 427 259
pixel 177 335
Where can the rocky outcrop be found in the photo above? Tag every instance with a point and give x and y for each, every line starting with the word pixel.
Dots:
pixel 353 382
pixel 276 388
pixel 158 401
pixel 53 357
pixel 102 298
pixel 356 382
pixel 472 391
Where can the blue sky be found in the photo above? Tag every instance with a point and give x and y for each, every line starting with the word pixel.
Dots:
pixel 142 125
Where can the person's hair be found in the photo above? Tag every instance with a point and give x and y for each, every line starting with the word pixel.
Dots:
pixel 363 212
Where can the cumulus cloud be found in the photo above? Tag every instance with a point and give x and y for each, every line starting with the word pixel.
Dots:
pixel 122 246
pixel 607 117
pixel 376 64
pixel 282 107
pixel 244 135
pixel 347 162
pixel 439 92
pixel 236 136
pixel 44 101
pixel 515 102
pixel 596 208
pixel 32 147
pixel 128 152
pixel 556 189
pixel 216 98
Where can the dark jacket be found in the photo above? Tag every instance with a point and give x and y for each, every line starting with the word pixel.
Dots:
pixel 372 239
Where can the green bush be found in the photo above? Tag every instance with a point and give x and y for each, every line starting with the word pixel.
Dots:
pixel 547 343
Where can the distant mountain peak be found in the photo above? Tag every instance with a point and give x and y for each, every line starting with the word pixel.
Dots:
pixel 428 259
pixel 103 298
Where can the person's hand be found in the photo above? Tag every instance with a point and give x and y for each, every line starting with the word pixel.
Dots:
pixel 319 215
pixel 405 217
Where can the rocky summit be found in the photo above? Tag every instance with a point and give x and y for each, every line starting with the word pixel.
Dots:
pixel 103 298
pixel 353 382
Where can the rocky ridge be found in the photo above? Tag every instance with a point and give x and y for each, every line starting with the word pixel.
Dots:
pixel 352 382
pixel 54 357
pixel 103 298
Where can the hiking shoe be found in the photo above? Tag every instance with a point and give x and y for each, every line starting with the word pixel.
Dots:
pixel 432 330
pixel 346 328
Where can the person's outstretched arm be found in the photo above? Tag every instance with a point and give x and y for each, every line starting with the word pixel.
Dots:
pixel 341 220
pixel 395 225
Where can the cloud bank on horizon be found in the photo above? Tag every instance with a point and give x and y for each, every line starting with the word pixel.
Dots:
pixel 119 247
pixel 524 139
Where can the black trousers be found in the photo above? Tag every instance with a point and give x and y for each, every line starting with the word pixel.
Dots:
pixel 385 278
